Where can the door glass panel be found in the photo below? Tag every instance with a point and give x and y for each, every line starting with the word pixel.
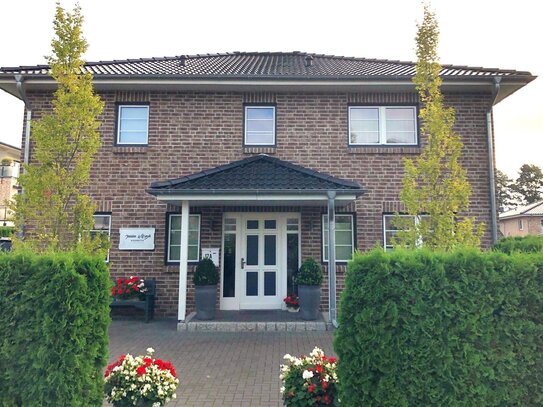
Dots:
pixel 229 225
pixel 292 261
pixel 292 224
pixel 229 279
pixel 252 224
pixel 270 224
pixel 252 250
pixel 269 283
pixel 270 250
pixel 252 283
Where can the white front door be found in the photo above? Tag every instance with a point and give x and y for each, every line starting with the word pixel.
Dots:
pixel 260 264
pixel 254 266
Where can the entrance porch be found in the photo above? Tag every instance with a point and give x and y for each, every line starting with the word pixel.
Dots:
pixel 258 206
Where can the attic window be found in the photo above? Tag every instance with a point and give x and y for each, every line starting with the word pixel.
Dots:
pixel 259 126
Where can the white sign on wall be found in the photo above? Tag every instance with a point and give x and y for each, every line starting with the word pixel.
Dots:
pixel 212 254
pixel 137 239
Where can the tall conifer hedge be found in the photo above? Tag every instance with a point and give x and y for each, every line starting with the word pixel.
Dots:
pixel 430 329
pixel 53 321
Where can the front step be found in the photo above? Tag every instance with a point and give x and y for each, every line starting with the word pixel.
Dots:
pixel 192 324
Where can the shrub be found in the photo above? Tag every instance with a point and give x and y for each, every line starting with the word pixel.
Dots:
pixel 6 231
pixel 54 319
pixel 310 273
pixel 206 273
pixel 429 329
pixel 526 244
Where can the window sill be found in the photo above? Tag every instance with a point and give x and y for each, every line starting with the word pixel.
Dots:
pixel 384 150
pixel 259 149
pixel 130 149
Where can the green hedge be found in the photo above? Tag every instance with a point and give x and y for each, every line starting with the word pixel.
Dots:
pixel 428 329
pixel 54 318
pixel 526 244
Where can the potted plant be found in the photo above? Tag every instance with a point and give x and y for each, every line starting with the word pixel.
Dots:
pixel 309 279
pixel 140 381
pixel 309 380
pixel 205 281
pixel 293 302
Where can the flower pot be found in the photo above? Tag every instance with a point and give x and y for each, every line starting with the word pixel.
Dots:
pixel 205 301
pixel 310 298
pixel 290 309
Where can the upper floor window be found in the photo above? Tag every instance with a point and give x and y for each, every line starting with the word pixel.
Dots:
pixel 259 125
pixel 382 125
pixel 133 124
pixel 102 226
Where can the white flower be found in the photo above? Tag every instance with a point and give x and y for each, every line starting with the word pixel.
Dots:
pixel 287 356
pixel 150 351
pixel 307 374
pixel 282 389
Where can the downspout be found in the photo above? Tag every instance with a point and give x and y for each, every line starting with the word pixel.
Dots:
pixel 491 169
pixel 332 307
pixel 28 106
pixel 26 155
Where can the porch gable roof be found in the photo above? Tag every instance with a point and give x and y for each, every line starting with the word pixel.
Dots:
pixel 253 175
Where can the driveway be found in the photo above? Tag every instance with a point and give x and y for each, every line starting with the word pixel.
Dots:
pixel 217 368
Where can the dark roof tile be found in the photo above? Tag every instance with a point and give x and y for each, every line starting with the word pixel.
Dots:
pixel 249 65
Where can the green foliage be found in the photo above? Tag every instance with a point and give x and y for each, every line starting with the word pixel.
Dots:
pixel 6 231
pixel 54 211
pixel 421 328
pixel 55 314
pixel 505 192
pixel 529 184
pixel 310 273
pixel 526 244
pixel 435 183
pixel 206 273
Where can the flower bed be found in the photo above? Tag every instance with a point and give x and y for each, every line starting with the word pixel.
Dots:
pixel 140 380
pixel 309 380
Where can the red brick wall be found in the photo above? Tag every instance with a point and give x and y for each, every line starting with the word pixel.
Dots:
pixel 189 132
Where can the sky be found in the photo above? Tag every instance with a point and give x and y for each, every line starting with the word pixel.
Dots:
pixel 487 33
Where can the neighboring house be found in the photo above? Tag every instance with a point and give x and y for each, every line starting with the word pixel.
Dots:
pixel 525 220
pixel 245 154
pixel 9 171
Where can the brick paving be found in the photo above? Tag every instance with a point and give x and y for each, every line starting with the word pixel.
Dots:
pixel 217 368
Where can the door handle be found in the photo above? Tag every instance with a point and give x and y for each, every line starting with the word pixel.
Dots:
pixel 242 263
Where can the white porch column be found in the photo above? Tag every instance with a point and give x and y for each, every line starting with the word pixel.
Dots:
pixel 332 257
pixel 183 262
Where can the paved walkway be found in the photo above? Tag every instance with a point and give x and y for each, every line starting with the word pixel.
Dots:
pixel 218 368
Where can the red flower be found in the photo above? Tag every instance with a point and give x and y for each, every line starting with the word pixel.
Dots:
pixel 311 387
pixel 318 369
pixel 332 360
pixel 141 370
pixel 327 399
pixel 324 385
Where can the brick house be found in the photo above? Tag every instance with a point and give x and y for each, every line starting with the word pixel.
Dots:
pixel 9 171
pixel 257 158
pixel 523 221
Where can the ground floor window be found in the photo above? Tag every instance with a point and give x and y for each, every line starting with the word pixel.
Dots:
pixel 344 237
pixel 174 238
pixel 390 230
pixel 102 226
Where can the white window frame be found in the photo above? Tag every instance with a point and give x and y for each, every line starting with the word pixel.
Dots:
pixel 103 231
pixel 382 125
pixel 387 246
pixel 168 239
pixel 245 124
pixel 119 116
pixel 324 248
